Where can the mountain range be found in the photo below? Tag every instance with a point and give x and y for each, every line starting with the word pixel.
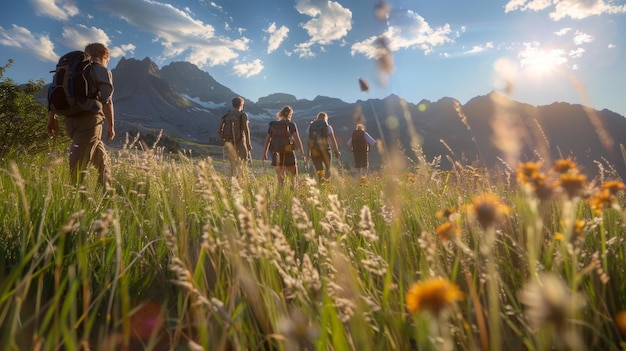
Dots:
pixel 186 103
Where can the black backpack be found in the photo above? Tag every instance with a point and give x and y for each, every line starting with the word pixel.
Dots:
pixel 230 127
pixel 318 134
pixel 358 141
pixel 281 137
pixel 72 89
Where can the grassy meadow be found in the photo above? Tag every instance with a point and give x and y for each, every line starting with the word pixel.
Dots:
pixel 410 257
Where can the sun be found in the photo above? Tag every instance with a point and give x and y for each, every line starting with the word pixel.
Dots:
pixel 541 62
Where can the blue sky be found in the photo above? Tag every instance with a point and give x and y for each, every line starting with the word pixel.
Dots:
pixel 536 51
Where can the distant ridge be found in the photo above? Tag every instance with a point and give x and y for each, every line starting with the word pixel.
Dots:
pixel 489 130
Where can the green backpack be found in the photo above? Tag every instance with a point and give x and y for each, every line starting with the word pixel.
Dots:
pixel 230 127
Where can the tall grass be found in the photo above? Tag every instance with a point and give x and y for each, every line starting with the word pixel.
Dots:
pixel 182 257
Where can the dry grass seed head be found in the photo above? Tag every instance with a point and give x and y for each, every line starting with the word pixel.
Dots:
pixel 548 300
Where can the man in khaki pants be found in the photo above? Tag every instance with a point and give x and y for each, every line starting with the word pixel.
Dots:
pixel 85 128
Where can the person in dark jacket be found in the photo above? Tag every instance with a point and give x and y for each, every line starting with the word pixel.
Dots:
pixel 360 144
pixel 85 128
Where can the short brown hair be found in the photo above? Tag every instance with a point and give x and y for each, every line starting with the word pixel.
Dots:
pixel 97 50
pixel 238 101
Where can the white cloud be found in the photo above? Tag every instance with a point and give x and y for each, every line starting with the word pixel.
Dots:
pixel 122 50
pixel 22 39
pixel 79 36
pixel 178 32
pixel 582 38
pixel 579 9
pixel 59 9
pixel 526 5
pixel 277 36
pixel 578 52
pixel 406 30
pixel 534 58
pixel 480 48
pixel 330 21
pixel 304 50
pixel 575 9
pixel 562 32
pixel 248 69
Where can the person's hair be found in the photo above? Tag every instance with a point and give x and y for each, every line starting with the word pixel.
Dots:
pixel 237 102
pixel 360 126
pixel 322 115
pixel 285 112
pixel 97 50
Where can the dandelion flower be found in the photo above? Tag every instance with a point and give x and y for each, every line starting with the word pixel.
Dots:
pixel 433 295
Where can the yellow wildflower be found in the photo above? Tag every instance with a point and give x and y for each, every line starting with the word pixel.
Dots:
pixel 602 200
pixel 433 295
pixel 565 166
pixel 446 213
pixel 447 231
pixel 488 209
pixel 573 184
pixel 613 186
pixel 528 172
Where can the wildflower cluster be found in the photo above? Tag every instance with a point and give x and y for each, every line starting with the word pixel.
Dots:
pixel 565 175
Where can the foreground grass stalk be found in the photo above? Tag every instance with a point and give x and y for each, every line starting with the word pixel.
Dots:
pixel 493 294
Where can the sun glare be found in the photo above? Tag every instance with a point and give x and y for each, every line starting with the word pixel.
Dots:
pixel 541 62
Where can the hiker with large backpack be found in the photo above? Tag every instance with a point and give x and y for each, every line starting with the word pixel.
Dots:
pixel 235 136
pixel 82 91
pixel 360 143
pixel 321 136
pixel 282 141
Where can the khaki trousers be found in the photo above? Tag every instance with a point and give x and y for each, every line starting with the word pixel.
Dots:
pixel 87 147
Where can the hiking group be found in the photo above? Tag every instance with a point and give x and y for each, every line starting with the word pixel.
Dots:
pixel 282 141
pixel 82 92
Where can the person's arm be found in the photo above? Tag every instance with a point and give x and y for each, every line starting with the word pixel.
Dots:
pixel 53 125
pixel 110 118
pixel 246 131
pixel 104 80
pixel 266 146
pixel 331 135
pixel 299 146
